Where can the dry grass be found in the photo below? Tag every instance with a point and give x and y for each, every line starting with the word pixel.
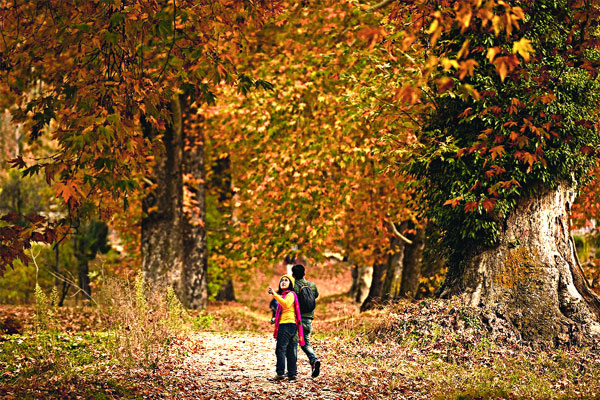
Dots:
pixel 141 322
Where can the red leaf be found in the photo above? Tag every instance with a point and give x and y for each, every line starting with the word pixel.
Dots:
pixel 470 206
pixel 453 202
pixel 489 204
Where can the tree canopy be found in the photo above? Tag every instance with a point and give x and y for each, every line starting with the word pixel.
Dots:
pixel 86 72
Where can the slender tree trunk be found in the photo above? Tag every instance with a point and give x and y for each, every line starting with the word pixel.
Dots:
pixel 222 186
pixel 531 281
pixel 56 266
pixel 194 232
pixel 413 257
pixel 57 281
pixel 395 267
pixel 83 271
pixel 355 281
pixel 162 238
pixel 226 291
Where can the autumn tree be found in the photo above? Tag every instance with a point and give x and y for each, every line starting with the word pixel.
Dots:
pixel 585 215
pixel 511 134
pixel 108 76
pixel 307 158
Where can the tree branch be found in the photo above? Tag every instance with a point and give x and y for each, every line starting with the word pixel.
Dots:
pixel 380 5
pixel 395 232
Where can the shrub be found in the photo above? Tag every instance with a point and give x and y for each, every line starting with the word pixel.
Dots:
pixel 203 322
pixel 141 321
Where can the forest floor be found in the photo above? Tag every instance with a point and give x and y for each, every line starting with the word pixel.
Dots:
pixel 412 350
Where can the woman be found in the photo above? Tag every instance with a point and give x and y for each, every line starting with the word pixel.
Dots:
pixel 287 324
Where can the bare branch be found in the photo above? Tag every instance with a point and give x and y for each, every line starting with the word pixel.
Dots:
pixel 395 232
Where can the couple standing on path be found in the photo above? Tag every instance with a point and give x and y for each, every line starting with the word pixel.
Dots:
pixel 294 304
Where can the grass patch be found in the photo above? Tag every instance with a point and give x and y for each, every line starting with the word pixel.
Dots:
pixel 79 367
pixel 21 356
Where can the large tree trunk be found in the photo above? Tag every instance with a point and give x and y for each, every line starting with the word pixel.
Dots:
pixel 362 275
pixel 413 257
pixel 376 289
pixel 162 239
pixel 194 233
pixel 531 280
pixel 365 278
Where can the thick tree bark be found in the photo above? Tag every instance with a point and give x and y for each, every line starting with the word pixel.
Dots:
pixel 531 280
pixel 376 289
pixel 194 232
pixel 162 239
pixel 362 275
pixel 413 257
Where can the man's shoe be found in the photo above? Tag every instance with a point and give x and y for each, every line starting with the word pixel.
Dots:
pixel 292 378
pixel 277 378
pixel 316 368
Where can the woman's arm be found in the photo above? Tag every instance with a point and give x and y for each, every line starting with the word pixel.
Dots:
pixel 286 301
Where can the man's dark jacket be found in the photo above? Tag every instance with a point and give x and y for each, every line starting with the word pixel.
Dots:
pixel 297 286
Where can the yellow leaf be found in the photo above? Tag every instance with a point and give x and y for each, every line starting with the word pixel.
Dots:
pixel 433 27
pixel 502 70
pixel 464 50
pixel 447 64
pixel 453 202
pixel 465 18
pixel 523 47
pixel 491 53
pixel 497 24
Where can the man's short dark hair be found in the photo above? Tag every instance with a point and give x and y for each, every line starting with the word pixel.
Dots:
pixel 298 271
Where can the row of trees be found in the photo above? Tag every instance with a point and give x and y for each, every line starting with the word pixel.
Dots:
pixel 338 126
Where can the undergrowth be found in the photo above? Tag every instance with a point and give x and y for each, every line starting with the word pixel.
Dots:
pixel 430 349
pixel 446 351
pixel 138 327
pixel 141 322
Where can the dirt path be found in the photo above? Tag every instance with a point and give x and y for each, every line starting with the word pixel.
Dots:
pixel 238 365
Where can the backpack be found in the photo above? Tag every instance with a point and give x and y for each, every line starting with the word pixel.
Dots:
pixel 306 299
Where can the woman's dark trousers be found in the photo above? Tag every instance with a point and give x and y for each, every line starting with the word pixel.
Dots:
pixel 286 349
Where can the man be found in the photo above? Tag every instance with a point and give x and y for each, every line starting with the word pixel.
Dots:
pixel 307 317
